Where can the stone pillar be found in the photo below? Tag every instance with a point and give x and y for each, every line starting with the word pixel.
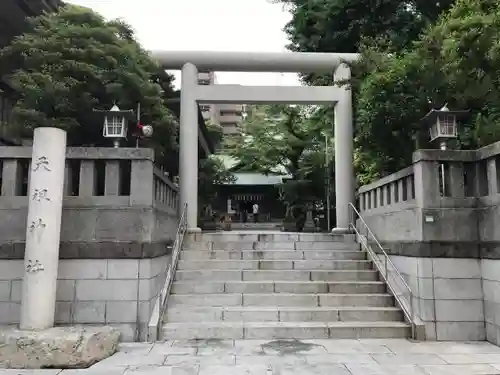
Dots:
pixel 188 160
pixel 344 170
pixel 457 187
pixel 43 230
pixel 426 177
pixel 492 176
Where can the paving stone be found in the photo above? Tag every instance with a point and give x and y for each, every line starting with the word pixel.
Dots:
pixel 341 358
pixel 159 349
pixel 130 359
pixel 185 360
pixel 460 370
pixel 234 370
pixel 350 346
pixel 360 369
pixel 459 359
pixel 287 360
pixel 96 371
pixel 315 369
pixel 408 359
pixel 164 370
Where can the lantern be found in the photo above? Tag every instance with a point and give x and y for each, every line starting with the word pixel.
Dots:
pixel 115 124
pixel 443 124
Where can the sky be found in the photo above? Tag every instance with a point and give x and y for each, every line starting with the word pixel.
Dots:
pixel 213 25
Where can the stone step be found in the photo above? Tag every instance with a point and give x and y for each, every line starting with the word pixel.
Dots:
pixel 271 237
pixel 297 287
pixel 280 299
pixel 284 314
pixel 272 255
pixel 277 275
pixel 284 330
pixel 280 245
pixel 274 265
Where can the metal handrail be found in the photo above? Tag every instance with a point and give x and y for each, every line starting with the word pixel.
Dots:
pixel 162 298
pixel 408 312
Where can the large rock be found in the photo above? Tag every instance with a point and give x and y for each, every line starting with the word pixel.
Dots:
pixel 59 348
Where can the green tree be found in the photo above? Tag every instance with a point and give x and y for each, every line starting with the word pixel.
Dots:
pixel 212 173
pixel 342 25
pixel 280 139
pixel 454 62
pixel 74 61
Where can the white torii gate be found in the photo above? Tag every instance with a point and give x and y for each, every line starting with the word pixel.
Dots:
pixel 192 94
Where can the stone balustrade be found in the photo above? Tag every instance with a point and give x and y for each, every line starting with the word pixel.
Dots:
pixel 438 220
pixel 110 194
pixel 396 188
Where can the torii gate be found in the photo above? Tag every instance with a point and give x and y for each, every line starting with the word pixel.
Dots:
pixel 192 94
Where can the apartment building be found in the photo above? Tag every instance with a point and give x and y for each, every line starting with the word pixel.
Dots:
pixel 209 111
pixel 229 116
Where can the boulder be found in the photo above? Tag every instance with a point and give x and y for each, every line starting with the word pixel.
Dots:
pixel 57 348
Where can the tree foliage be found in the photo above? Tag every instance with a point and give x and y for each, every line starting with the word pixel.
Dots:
pixel 455 62
pixel 280 139
pixel 343 25
pixel 212 173
pixel 447 54
pixel 69 63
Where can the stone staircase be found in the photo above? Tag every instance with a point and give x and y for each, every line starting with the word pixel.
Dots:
pixel 278 286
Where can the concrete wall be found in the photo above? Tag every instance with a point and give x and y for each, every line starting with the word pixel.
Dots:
pixel 117 292
pixel 444 238
pixel 448 296
pixel 491 291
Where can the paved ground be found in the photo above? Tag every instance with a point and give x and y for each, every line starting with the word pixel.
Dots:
pixel 308 357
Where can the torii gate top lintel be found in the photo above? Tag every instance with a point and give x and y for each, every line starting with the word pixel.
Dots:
pixel 292 62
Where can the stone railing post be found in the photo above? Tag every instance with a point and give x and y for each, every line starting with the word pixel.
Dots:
pixel 492 176
pixel 457 185
pixel 88 180
pixel 113 177
pixel 11 177
pixel 426 183
pixel 142 183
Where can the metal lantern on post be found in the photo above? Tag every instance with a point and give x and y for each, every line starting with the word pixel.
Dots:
pixel 443 125
pixel 115 124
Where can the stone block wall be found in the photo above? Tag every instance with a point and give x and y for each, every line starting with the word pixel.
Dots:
pixel 491 291
pixel 443 238
pixel 448 296
pixel 116 292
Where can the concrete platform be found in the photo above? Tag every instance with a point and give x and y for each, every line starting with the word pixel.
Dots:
pixel 296 357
